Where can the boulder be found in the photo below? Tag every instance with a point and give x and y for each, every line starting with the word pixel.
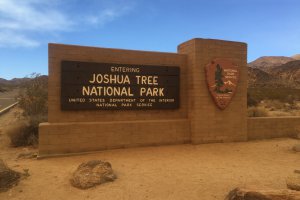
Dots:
pixel 246 194
pixel 296 147
pixel 8 177
pixel 293 182
pixel 92 173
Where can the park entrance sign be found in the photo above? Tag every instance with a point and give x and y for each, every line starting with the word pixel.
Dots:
pixel 108 86
pixel 102 98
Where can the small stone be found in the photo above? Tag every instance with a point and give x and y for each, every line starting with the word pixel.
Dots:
pixel 26 155
pixel 293 183
pixel 296 147
pixel 92 173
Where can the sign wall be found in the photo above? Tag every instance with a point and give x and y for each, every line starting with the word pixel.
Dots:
pixel 109 86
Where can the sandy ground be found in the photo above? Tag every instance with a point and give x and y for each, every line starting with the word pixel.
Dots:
pixel 207 171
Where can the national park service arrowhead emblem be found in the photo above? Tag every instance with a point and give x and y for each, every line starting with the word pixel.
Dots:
pixel 222 78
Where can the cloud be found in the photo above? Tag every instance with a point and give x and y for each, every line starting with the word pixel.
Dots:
pixel 21 21
pixel 16 40
pixel 108 14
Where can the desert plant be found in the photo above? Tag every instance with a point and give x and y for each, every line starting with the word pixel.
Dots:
pixel 21 134
pixel 251 101
pixel 33 96
pixel 33 100
pixel 275 104
pixel 257 112
pixel 287 95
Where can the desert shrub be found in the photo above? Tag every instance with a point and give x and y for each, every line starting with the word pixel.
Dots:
pixel 21 134
pixel 287 95
pixel 251 101
pixel 33 96
pixel 275 104
pixel 257 112
pixel 33 100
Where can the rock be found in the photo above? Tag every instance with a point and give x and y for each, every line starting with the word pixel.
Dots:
pixel 26 155
pixel 92 173
pixel 245 194
pixel 8 177
pixel 296 147
pixel 293 183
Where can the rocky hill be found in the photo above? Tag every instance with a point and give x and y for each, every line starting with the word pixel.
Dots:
pixel 274 71
pixel 14 81
pixel 297 56
pixel 266 62
pixel 6 85
pixel 260 78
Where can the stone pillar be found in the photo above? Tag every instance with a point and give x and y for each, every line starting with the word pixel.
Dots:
pixel 207 122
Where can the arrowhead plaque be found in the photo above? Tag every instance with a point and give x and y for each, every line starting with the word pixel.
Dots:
pixel 222 78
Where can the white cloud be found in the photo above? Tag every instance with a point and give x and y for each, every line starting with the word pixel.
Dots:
pixel 107 15
pixel 21 20
pixel 29 15
pixel 10 39
pixel 18 19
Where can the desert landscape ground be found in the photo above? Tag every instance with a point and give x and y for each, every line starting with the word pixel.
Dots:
pixel 207 171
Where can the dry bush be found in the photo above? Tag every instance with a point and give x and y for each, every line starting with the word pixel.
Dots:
pixel 33 100
pixel 8 177
pixel 257 112
pixel 275 104
pixel 251 101
pixel 34 95
pixel 23 132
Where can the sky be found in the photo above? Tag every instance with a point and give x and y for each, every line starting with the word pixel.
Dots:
pixel 269 27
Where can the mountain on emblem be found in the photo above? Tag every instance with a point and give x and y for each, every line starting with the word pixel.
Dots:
pixel 222 77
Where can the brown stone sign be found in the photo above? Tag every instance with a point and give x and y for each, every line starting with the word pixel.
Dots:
pixel 109 86
pixel 222 78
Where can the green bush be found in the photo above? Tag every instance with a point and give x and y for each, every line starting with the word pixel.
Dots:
pixel 33 100
pixel 257 112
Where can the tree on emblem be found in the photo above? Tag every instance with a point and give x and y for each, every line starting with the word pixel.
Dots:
pixel 219 79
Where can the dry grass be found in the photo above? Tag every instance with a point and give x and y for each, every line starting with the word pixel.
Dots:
pixel 274 108
pixel 257 112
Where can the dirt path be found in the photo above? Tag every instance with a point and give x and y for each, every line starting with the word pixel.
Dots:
pixel 170 172
pixel 6 120
pixel 8 98
pixel 177 172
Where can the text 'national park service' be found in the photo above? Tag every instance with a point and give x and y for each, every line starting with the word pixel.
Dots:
pixel 107 86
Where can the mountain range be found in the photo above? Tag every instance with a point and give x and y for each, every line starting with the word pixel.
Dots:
pixel 264 72
pixel 275 72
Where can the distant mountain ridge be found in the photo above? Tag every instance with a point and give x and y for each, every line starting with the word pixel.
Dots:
pixel 275 71
pixel 266 71
pixel 14 81
pixel 7 85
pixel 265 62
pixel 297 56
